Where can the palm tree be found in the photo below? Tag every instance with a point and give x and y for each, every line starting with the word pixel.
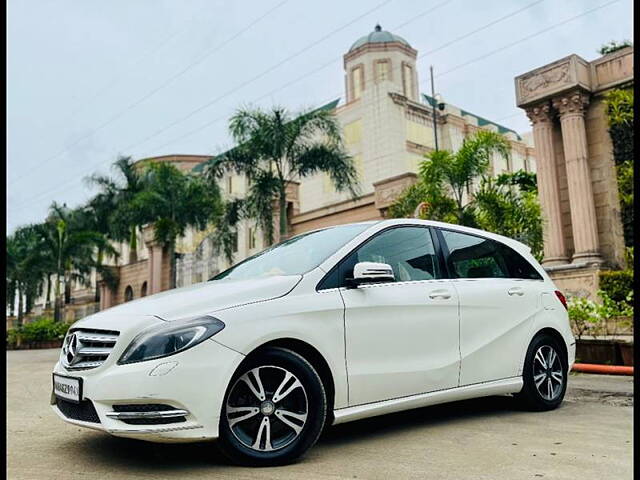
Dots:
pixel 445 176
pixel 26 269
pixel 120 221
pixel 73 248
pixel 509 206
pixel 172 201
pixel 273 149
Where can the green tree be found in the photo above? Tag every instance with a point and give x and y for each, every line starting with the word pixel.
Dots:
pixel 116 215
pixel 171 201
pixel 74 249
pixel 273 149
pixel 444 177
pixel 614 46
pixel 26 270
pixel 510 210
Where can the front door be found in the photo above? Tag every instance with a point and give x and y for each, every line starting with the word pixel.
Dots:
pixel 401 337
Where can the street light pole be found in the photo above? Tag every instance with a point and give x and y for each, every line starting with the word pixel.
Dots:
pixel 435 120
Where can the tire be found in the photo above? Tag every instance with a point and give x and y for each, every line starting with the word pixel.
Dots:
pixel 549 393
pixel 254 431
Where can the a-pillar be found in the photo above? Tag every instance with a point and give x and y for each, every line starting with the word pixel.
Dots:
pixel 571 108
pixel 541 117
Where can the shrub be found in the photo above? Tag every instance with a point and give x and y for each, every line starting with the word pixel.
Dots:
pixel 43 329
pixel 616 284
pixel 584 316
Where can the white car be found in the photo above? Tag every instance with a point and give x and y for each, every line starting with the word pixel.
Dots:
pixel 327 327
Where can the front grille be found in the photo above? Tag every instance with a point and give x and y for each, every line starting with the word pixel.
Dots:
pixel 87 348
pixel 148 407
pixel 83 411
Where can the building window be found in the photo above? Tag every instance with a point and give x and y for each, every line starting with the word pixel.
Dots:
pixel 357 79
pixel 230 184
pixel 143 289
pixel 383 70
pixel 407 80
pixel 128 294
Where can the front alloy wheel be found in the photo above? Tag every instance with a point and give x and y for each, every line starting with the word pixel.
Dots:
pixel 274 409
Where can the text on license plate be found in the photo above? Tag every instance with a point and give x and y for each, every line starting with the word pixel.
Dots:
pixel 67 387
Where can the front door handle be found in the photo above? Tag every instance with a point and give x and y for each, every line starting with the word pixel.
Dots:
pixel 515 291
pixel 443 294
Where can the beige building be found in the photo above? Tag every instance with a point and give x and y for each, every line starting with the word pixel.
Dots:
pixel 388 126
pixel 576 171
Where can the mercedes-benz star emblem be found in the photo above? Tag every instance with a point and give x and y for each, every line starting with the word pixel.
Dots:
pixel 70 349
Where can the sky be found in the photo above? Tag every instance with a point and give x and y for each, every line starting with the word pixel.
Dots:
pixel 89 80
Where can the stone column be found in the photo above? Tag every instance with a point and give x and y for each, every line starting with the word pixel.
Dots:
pixel 155 268
pixel 154 284
pixel 571 108
pixel 541 117
pixel 106 296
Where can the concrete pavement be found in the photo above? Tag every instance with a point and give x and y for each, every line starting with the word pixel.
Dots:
pixel 588 437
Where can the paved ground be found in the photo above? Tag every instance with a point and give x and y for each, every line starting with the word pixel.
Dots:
pixel 589 437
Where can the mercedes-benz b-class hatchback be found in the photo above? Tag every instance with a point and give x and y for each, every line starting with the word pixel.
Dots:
pixel 327 327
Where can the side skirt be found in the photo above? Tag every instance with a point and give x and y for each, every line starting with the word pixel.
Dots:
pixel 497 387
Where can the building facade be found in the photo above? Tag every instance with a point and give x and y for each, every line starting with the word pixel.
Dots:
pixel 576 171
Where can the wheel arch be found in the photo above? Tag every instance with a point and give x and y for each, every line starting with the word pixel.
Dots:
pixel 556 335
pixel 314 357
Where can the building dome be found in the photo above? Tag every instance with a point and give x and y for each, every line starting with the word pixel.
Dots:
pixel 378 36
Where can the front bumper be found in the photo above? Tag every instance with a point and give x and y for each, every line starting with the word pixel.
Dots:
pixel 194 381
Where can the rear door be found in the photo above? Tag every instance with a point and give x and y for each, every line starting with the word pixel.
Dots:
pixel 499 294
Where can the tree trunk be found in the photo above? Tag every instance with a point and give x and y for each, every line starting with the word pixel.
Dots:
pixel 47 299
pixel 133 246
pixel 57 312
pixel 172 259
pixel 283 214
pixel 20 312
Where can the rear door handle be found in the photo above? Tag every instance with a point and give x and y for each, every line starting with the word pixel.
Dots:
pixel 443 294
pixel 516 291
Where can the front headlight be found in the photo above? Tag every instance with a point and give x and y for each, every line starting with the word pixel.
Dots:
pixel 176 336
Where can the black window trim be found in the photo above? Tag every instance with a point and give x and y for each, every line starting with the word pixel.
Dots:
pixel 434 240
pixel 446 253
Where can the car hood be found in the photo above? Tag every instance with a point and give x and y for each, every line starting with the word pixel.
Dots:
pixel 199 299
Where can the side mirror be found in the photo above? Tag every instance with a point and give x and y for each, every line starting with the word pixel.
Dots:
pixel 370 272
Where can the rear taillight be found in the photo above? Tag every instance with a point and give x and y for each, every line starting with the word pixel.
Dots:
pixel 562 299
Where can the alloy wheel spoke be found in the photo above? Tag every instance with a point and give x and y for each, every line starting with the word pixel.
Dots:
pixel 557 376
pixel 549 388
pixel 540 358
pixel 247 412
pixel 281 392
pixel 552 357
pixel 539 379
pixel 283 414
pixel 264 432
pixel 259 391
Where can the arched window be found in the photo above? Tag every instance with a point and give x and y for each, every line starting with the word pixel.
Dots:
pixel 143 290
pixel 128 294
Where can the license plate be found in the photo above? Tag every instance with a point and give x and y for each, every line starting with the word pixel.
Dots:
pixel 68 388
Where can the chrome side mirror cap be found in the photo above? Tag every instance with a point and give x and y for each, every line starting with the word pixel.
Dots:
pixel 370 272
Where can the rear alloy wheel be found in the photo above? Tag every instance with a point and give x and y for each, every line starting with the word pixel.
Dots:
pixel 274 410
pixel 544 375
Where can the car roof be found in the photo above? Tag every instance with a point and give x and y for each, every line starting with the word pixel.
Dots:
pixel 459 228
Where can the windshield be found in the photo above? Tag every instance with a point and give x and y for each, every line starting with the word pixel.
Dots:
pixel 295 256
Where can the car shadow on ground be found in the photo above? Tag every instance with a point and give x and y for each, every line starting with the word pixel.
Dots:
pixel 112 452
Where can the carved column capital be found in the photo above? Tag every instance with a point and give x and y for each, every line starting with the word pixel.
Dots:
pixel 575 102
pixel 541 113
